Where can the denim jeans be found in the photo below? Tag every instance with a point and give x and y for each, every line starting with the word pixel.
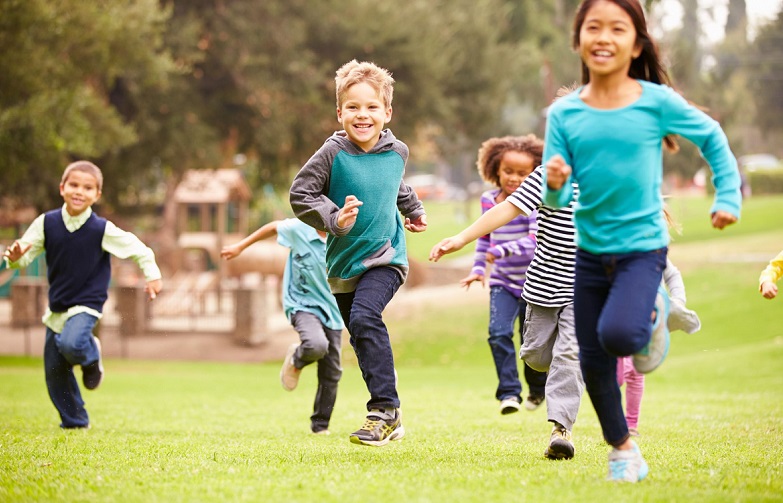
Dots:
pixel 319 344
pixel 362 312
pixel 614 298
pixel 504 311
pixel 74 346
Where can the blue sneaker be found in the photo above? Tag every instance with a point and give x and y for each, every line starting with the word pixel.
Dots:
pixel 627 466
pixel 652 355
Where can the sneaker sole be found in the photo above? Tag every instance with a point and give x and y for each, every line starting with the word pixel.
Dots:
pixel 509 409
pixel 559 452
pixel 397 434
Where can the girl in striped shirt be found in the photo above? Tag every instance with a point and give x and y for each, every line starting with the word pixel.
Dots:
pixel 507 252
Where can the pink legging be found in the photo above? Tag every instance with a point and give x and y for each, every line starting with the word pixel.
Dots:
pixel 634 389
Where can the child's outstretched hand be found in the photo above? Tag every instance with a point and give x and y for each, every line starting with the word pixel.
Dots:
pixel 418 225
pixel 721 219
pixel 348 213
pixel 557 172
pixel 769 290
pixel 470 278
pixel 14 252
pixel 153 288
pixel 446 246
pixel 230 251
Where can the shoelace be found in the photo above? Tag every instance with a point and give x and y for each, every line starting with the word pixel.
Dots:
pixel 370 424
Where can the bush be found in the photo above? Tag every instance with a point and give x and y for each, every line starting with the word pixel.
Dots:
pixel 766 182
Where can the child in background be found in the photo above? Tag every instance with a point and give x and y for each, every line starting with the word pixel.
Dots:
pixel 78 244
pixel 311 309
pixel 506 162
pixel 770 276
pixel 680 318
pixel 353 189
pixel 618 119
pixel 549 338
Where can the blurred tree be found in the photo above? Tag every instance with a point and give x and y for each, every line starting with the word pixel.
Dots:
pixel 767 75
pixel 59 64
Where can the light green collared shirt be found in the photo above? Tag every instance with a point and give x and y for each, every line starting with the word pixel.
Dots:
pixel 120 243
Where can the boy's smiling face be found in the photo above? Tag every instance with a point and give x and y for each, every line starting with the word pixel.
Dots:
pixel 363 115
pixel 79 191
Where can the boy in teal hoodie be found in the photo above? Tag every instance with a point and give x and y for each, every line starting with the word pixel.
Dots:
pixel 353 189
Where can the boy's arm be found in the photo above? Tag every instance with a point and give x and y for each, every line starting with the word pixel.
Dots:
pixel 264 232
pixel 25 249
pixel 308 194
pixel 125 245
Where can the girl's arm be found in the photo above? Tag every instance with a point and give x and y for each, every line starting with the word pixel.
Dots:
pixel 556 187
pixel 680 117
pixel 497 216
pixel 674 283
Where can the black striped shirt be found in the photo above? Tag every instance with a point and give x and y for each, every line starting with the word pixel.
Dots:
pixel 550 277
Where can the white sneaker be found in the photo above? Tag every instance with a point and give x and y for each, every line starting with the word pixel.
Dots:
pixel 652 355
pixel 627 466
pixel 509 406
pixel 289 375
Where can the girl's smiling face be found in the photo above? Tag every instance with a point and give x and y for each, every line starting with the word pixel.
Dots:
pixel 514 167
pixel 363 115
pixel 607 40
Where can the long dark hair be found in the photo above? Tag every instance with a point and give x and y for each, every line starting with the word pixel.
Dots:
pixel 647 66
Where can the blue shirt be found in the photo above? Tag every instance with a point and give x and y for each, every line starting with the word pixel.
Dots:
pixel 305 287
pixel 617 160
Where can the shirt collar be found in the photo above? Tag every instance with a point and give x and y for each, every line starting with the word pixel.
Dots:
pixel 73 223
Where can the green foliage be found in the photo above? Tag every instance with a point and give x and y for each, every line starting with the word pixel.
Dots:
pixel 60 61
pixel 766 182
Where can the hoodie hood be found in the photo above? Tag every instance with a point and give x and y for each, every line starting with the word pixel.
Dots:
pixel 385 142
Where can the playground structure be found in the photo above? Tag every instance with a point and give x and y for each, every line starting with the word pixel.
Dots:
pixel 207 293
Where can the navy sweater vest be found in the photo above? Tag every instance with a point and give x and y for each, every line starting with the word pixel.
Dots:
pixel 79 269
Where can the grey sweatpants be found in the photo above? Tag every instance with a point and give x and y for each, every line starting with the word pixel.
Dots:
pixel 319 344
pixel 550 345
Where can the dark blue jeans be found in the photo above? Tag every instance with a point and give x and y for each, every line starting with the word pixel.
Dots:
pixel 362 312
pixel 74 346
pixel 505 309
pixel 614 298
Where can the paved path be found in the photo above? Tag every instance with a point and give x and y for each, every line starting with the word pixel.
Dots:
pixel 220 347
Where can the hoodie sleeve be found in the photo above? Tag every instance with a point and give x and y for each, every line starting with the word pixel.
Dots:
pixel 308 195
pixel 407 201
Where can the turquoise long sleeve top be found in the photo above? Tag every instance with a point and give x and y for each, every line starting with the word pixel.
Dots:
pixel 616 158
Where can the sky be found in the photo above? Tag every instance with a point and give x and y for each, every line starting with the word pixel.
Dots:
pixel 759 12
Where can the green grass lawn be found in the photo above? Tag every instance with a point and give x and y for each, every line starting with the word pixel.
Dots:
pixel 711 422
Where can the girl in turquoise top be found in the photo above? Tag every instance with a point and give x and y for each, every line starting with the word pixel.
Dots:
pixel 608 136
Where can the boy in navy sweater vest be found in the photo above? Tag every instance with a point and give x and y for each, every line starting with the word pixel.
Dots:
pixel 78 245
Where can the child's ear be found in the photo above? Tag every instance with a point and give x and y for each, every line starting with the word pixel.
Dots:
pixel 637 50
pixel 388 115
pixel 339 115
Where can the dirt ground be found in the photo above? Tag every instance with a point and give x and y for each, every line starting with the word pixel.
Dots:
pixel 221 347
